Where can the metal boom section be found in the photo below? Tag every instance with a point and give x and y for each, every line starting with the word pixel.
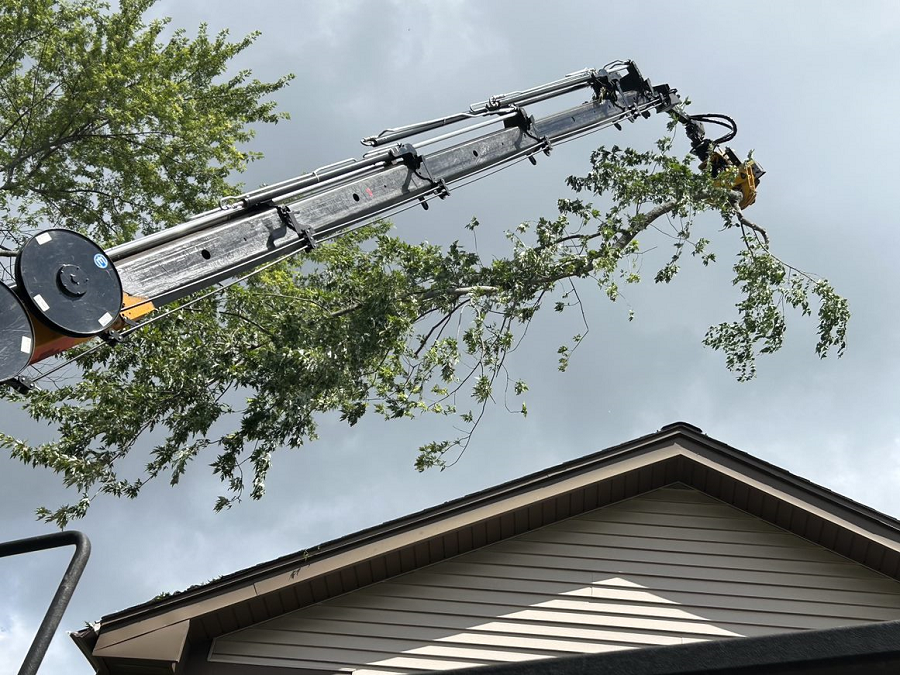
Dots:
pixel 297 214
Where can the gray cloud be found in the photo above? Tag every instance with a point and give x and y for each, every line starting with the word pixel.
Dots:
pixel 815 98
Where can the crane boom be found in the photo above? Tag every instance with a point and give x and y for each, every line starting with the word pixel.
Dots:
pixel 260 228
pixel 69 290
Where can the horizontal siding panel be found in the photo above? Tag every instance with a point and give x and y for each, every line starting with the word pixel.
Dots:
pixel 707 511
pixel 745 523
pixel 878 584
pixel 510 647
pixel 430 657
pixel 625 631
pixel 704 596
pixel 679 495
pixel 680 532
pixel 665 568
pixel 348 655
pixel 502 575
pixel 436 583
pixel 450 628
pixel 651 575
pixel 837 568
pixel 640 541
pixel 479 612
pixel 628 631
pixel 466 644
pixel 456 601
pixel 301 657
pixel 531 643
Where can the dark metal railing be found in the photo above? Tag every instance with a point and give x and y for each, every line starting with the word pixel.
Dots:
pixel 63 594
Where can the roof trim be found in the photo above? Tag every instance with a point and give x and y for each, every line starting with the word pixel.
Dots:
pixel 413 521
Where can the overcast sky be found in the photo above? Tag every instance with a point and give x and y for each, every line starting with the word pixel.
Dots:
pixel 814 91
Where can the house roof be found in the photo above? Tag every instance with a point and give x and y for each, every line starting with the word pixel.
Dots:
pixel 678 453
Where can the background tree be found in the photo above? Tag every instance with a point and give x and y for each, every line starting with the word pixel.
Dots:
pixel 368 322
pixel 112 129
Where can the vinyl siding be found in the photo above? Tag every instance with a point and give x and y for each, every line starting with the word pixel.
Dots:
pixel 669 567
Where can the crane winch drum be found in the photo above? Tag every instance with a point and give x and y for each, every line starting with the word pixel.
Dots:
pixel 17 343
pixel 69 283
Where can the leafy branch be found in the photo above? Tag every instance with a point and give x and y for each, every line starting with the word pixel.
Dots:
pixel 372 324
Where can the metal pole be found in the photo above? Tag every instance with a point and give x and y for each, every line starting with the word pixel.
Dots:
pixel 63 594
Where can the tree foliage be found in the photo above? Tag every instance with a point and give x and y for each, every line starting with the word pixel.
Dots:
pixel 368 323
pixel 112 129
pixel 373 323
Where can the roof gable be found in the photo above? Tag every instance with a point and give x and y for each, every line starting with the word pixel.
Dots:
pixel 672 566
pixel 677 453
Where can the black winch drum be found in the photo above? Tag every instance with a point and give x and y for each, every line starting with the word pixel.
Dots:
pixel 16 335
pixel 69 283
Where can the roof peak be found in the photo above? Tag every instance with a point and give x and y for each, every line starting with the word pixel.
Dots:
pixel 681 425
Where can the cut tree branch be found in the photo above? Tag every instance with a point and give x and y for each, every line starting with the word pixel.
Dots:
pixel 742 219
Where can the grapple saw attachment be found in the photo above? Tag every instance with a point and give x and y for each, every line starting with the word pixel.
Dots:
pixel 718 157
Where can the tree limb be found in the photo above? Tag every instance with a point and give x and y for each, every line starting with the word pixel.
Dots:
pixel 735 198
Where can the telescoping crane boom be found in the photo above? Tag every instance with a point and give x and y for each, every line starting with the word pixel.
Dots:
pixel 68 289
